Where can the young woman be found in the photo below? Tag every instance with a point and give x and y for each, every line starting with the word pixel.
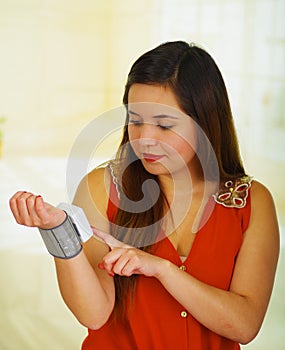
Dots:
pixel 187 243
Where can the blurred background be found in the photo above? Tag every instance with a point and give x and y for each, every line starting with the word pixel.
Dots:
pixel 65 62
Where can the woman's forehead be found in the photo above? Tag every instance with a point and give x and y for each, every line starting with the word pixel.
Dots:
pixel 152 93
pixel 153 101
pixel 154 110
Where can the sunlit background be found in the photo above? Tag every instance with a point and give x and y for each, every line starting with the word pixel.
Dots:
pixel 64 62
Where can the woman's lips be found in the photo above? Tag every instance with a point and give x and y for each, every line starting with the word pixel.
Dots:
pixel 148 157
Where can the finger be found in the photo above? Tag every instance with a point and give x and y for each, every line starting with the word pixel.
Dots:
pixel 129 265
pixel 31 207
pixel 111 241
pixel 114 261
pixel 107 264
pixel 41 211
pixel 130 269
pixel 121 261
pixel 24 215
pixel 122 266
pixel 38 211
pixel 13 204
pixel 25 204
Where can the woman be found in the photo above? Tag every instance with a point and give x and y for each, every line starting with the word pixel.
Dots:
pixel 187 243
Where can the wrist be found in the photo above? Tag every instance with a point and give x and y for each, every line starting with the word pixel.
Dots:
pixel 164 268
pixel 57 222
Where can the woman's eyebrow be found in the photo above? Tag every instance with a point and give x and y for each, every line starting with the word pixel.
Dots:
pixel 134 113
pixel 159 116
pixel 164 116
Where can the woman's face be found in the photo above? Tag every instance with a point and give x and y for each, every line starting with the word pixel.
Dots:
pixel 161 134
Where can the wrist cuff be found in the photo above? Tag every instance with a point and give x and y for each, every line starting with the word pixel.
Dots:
pixel 62 241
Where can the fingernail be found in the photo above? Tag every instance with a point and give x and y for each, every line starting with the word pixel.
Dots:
pixel 111 274
pixel 101 266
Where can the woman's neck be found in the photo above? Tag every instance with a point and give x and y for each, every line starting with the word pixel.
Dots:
pixel 182 183
pixel 187 194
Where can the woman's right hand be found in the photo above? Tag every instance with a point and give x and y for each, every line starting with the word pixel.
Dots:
pixel 31 210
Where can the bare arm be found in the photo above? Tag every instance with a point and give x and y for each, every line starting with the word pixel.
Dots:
pixel 84 290
pixel 236 314
pixel 87 290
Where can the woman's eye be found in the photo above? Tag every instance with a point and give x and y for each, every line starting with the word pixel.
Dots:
pixel 165 127
pixel 135 122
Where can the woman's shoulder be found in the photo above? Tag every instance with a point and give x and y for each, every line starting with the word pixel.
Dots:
pixel 259 188
pixel 261 195
pixel 104 173
pixel 97 180
pixel 263 212
pixel 93 192
pixel 98 176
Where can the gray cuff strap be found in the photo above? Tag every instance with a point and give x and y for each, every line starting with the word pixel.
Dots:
pixel 62 241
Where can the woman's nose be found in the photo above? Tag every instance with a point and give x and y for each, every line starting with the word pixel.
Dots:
pixel 148 135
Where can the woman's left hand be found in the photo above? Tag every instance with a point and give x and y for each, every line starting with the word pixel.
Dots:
pixel 126 260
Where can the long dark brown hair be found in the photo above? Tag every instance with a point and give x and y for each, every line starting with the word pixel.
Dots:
pixel 200 90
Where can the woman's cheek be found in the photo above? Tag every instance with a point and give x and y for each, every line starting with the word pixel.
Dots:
pixel 134 143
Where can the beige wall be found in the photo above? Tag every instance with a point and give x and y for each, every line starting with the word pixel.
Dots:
pixel 53 67
pixel 64 62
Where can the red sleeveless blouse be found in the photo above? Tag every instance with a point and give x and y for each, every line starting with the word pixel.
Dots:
pixel 156 320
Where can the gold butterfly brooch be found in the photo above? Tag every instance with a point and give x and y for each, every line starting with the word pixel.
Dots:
pixel 233 193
